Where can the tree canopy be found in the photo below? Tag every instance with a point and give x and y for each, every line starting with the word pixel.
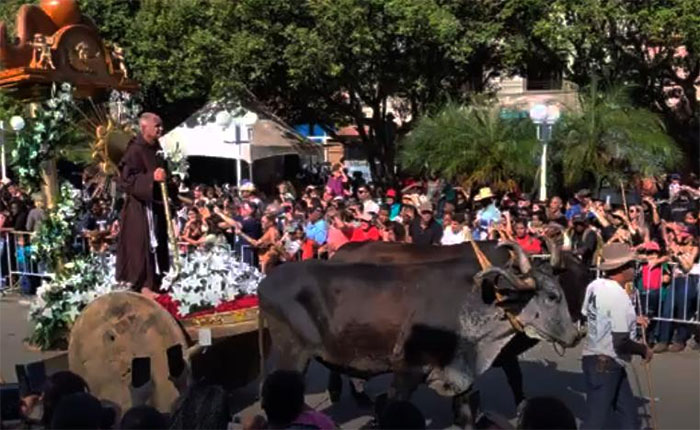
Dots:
pixel 339 62
pixel 474 144
pixel 609 138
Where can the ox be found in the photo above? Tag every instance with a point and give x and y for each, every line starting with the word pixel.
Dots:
pixel 572 274
pixel 443 323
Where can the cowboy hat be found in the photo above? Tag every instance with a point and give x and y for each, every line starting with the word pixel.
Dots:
pixel 616 255
pixel 484 193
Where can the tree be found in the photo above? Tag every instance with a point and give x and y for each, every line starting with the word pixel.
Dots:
pixel 347 61
pixel 608 138
pixel 654 46
pixel 475 145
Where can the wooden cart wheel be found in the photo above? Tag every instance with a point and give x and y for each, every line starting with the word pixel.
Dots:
pixel 110 332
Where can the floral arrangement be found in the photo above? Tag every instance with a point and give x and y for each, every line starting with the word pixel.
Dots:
pixel 37 143
pixel 208 278
pixel 125 109
pixel 59 301
pixel 177 161
pixel 52 238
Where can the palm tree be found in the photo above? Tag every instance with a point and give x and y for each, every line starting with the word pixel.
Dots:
pixel 608 138
pixel 474 145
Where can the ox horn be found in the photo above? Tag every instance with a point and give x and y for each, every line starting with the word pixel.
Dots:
pixel 521 257
pixel 514 280
pixel 554 251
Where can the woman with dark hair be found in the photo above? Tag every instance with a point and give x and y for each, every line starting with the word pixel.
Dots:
pixel 195 229
pixel 202 407
pixel 283 403
pixel 60 385
pixel 545 413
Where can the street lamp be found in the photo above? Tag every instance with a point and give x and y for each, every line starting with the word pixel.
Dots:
pixel 16 124
pixel 544 118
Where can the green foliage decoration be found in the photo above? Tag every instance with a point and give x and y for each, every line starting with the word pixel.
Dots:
pixel 38 140
pixel 51 241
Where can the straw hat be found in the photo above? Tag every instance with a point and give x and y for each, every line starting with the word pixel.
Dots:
pixel 616 255
pixel 484 193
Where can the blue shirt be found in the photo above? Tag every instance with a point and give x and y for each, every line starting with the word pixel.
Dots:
pixel 318 231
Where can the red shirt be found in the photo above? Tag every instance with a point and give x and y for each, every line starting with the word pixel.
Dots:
pixel 359 235
pixel 652 278
pixel 529 244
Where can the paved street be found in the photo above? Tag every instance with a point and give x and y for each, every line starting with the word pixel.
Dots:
pixel 676 379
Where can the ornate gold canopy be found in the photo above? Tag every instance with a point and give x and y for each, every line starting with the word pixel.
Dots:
pixel 56 43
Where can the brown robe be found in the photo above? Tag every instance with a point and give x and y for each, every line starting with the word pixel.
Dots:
pixel 135 261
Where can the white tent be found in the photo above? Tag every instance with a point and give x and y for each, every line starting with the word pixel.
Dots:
pixel 235 133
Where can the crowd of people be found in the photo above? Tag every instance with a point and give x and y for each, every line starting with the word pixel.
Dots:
pixel 295 222
pixel 65 402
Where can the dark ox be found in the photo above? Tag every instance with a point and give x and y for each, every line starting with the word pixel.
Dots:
pixel 572 274
pixel 443 323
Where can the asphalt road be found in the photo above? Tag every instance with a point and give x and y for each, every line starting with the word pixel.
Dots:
pixel 675 377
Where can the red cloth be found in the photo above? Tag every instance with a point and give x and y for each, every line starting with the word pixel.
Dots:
pixel 371 235
pixel 307 250
pixel 530 245
pixel 171 306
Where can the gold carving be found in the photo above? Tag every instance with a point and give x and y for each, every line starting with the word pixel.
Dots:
pixel 118 58
pixel 80 59
pixel 41 56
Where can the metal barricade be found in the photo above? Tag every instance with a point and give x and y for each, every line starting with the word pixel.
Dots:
pixel 677 301
pixel 18 262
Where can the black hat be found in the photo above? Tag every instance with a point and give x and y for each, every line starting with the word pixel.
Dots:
pixel 579 219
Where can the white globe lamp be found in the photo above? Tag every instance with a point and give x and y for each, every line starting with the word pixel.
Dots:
pixel 17 123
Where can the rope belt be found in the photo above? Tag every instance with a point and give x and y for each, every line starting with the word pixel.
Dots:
pixel 486 264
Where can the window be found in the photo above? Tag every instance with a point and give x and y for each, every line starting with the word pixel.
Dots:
pixel 250 134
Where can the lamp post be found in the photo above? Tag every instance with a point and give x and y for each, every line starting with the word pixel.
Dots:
pixel 544 117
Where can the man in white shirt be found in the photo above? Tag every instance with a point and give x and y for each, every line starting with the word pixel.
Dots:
pixel 455 232
pixel 609 345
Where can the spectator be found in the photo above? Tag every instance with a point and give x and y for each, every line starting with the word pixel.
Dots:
pixel 316 232
pixel 584 240
pixel 366 232
pixel 36 215
pixel 454 231
pixel 194 230
pixel 369 206
pixel 59 385
pixel 339 232
pixel 425 230
pixel 251 229
pixel 283 403
pixel 335 187
pixel 203 407
pixel 394 205
pixel 18 215
pixel 81 411
pixel 401 415
pixel 143 418
pixel 528 243
pixel 545 413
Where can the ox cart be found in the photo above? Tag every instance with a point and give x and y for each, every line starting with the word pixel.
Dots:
pixel 117 327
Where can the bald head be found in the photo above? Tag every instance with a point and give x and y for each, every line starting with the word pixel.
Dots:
pixel 151 127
